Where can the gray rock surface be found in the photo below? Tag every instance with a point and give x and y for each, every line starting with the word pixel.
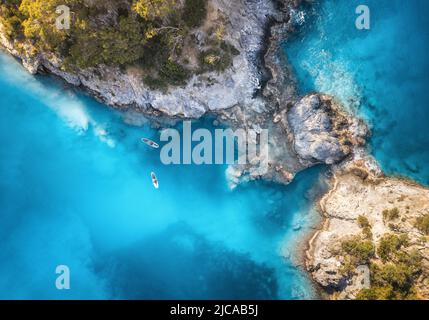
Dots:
pixel 321 131
pixel 246 27
pixel 359 189
pixel 256 92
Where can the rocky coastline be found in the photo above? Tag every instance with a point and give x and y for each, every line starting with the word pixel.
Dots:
pixel 257 92
pixel 363 206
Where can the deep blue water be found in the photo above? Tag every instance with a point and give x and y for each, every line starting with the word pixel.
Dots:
pixel 75 190
pixel 381 73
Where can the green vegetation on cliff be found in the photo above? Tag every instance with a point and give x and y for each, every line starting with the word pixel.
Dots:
pixel 365 226
pixel 393 277
pixel 389 246
pixel 391 282
pixel 11 18
pixel 392 214
pixel 422 224
pixel 148 34
pixel 360 251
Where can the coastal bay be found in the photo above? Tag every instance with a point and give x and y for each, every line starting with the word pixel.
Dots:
pixel 76 190
pixel 231 232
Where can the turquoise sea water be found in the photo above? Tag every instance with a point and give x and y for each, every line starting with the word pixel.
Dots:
pixel 75 190
pixel 75 187
pixel 381 73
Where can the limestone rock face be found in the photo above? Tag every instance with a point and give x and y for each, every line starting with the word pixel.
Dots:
pixel 246 25
pixel 322 132
pixel 355 194
pixel 254 93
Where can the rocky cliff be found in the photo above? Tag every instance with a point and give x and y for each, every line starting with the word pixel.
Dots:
pixel 246 23
pixel 256 92
pixel 372 223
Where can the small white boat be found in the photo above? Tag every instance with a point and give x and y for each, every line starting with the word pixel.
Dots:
pixel 150 143
pixel 154 180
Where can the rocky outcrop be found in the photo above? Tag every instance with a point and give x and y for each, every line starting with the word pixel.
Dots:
pixel 257 92
pixel 245 30
pixel 322 132
pixel 360 191
pixel 315 129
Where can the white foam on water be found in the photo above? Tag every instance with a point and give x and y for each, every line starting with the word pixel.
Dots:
pixel 64 102
pixel 102 134
pixel 298 16
pixel 333 77
pixel 71 111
